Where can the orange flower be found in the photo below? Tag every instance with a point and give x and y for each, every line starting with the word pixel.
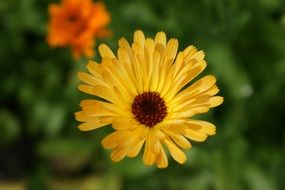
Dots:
pixel 75 23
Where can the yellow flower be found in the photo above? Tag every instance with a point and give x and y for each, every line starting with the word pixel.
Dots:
pixel 147 100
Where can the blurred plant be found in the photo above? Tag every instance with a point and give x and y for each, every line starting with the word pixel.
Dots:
pixel 150 100
pixel 75 23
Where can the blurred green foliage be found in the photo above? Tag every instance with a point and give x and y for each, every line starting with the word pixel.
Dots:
pixel 244 43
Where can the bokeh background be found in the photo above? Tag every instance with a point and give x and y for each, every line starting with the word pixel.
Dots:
pixel 244 41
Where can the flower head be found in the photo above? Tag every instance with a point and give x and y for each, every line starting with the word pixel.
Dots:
pixel 75 23
pixel 147 99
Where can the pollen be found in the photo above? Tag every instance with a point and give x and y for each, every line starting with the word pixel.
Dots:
pixel 149 108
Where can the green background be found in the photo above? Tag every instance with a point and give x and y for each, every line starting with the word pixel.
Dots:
pixel 244 42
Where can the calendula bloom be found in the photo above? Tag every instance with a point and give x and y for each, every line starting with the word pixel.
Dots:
pixel 75 23
pixel 147 99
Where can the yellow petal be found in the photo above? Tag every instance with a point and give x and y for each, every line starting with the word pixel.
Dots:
pixel 197 88
pixel 191 73
pixel 149 51
pixel 200 101
pixel 119 153
pixel 158 133
pixel 86 88
pixel 154 142
pixel 123 43
pixel 80 116
pixel 141 134
pixel 120 123
pixel 135 149
pixel 189 51
pixel 124 66
pixel 89 79
pixel 189 112
pixel 139 37
pixel 138 74
pixel 177 66
pixel 118 138
pixel 144 132
pixel 105 51
pixel 125 138
pixel 118 75
pixel 195 58
pixel 123 56
pixel 160 38
pixel 91 103
pixel 203 84
pixel 161 158
pixel 155 77
pixel 177 154
pixel 196 98
pixel 94 69
pixel 205 127
pixel 179 139
pixel 114 82
pixel 195 135
pixel 94 124
pixel 148 156
pixel 105 93
pixel 216 101
pixel 110 141
pixel 97 111
pixel 93 112
pixel 182 78
pixel 142 70
pixel 171 48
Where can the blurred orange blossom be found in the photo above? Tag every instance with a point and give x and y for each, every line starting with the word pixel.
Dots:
pixel 75 24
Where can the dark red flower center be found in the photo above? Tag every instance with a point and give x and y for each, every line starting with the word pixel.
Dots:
pixel 149 108
pixel 73 18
